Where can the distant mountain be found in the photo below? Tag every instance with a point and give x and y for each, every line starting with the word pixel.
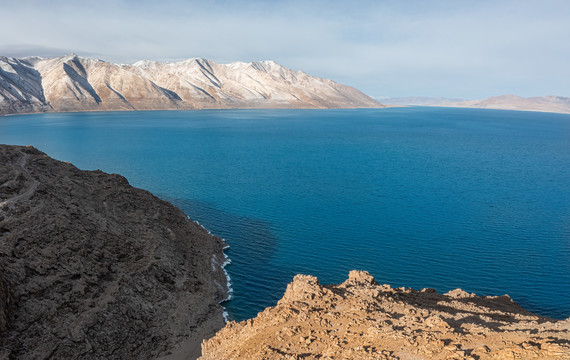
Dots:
pixel 420 100
pixel 73 83
pixel 549 103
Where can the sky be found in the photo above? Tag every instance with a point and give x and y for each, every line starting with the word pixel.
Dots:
pixel 468 49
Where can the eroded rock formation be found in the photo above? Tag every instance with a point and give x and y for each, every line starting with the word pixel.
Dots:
pixel 92 268
pixel 360 319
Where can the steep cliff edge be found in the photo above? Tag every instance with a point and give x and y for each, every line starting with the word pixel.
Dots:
pixel 73 83
pixel 360 319
pixel 92 268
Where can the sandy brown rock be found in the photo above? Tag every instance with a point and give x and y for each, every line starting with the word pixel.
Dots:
pixel 92 268
pixel 360 319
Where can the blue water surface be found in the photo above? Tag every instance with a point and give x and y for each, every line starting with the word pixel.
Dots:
pixel 419 197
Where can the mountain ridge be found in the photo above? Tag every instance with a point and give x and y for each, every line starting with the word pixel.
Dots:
pixel 74 83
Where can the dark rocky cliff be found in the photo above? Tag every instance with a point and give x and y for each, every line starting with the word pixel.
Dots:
pixel 91 267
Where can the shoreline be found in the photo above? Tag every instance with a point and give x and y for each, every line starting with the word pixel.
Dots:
pixel 382 106
pixel 481 108
pixel 227 261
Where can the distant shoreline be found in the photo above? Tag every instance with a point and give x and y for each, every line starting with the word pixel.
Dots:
pixel 387 106
pixel 551 104
pixel 237 108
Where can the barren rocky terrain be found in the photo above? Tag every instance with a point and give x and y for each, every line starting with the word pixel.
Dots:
pixel 360 319
pixel 73 83
pixel 92 268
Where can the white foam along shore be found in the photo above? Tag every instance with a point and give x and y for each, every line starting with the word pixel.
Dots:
pixel 226 262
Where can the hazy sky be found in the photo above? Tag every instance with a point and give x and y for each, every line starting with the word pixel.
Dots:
pixel 453 48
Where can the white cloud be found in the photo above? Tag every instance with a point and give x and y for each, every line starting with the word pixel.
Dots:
pixel 452 48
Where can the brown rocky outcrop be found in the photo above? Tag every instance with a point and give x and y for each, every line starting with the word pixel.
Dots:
pixel 360 319
pixel 92 268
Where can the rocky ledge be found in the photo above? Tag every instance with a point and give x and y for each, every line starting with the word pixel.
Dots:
pixel 360 319
pixel 92 268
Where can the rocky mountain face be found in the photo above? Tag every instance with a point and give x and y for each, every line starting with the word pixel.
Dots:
pixel 72 83
pixel 92 268
pixel 21 87
pixel 360 319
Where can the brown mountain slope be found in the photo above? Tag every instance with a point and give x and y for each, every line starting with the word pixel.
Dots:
pixel 360 319
pixel 92 268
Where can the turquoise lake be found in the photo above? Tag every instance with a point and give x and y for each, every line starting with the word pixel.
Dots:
pixel 419 197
